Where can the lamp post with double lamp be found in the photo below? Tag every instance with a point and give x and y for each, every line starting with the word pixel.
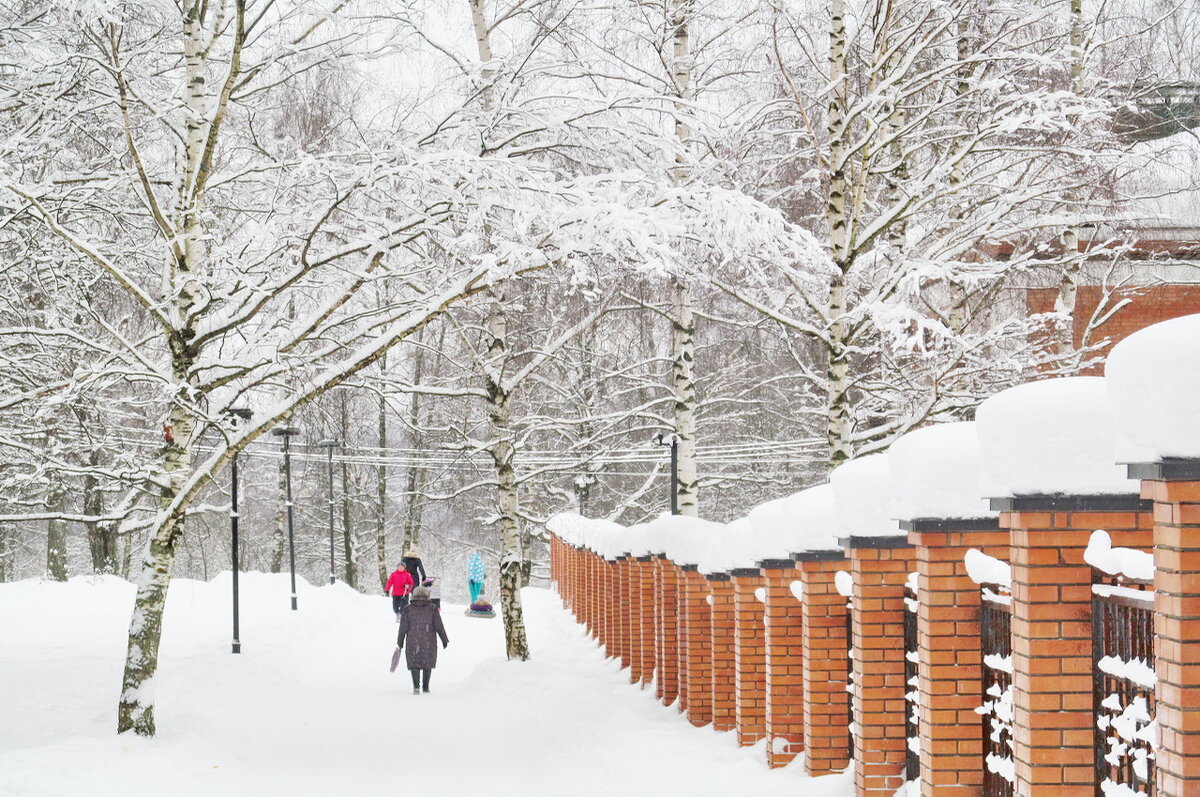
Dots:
pixel 329 445
pixel 672 440
pixel 236 414
pixel 287 433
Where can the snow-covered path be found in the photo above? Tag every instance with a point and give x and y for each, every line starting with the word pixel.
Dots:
pixel 309 707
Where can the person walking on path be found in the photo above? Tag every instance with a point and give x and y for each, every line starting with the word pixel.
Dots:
pixel 399 585
pixel 475 575
pixel 414 566
pixel 420 623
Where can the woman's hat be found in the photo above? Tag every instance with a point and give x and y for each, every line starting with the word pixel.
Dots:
pixel 421 594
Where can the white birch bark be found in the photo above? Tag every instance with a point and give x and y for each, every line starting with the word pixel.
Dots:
pixel 838 411
pixel 1068 286
pixel 683 325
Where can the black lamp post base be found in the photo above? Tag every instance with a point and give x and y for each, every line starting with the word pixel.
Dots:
pixel 237 647
pixel 293 603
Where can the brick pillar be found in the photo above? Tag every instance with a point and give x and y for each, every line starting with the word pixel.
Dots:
pixel 646 604
pixel 666 637
pixel 1053 717
pixel 879 567
pixel 608 585
pixel 783 619
pixel 950 658
pixel 723 695
pixel 1175 489
pixel 750 656
pixel 825 662
pixel 625 608
pixel 696 644
pixel 593 599
pixel 681 634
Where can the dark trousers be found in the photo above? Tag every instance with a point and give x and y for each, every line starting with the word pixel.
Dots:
pixel 399 602
pixel 436 602
pixel 420 679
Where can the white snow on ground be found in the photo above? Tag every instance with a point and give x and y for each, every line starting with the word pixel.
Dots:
pixel 309 707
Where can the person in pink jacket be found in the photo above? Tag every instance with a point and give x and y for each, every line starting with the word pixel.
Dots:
pixel 399 585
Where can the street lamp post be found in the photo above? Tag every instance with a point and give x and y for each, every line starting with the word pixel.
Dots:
pixel 329 445
pixel 673 442
pixel 236 414
pixel 287 433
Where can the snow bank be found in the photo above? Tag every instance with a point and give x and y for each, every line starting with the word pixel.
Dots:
pixel 936 473
pixel 862 491
pixel 1054 436
pixel 1153 380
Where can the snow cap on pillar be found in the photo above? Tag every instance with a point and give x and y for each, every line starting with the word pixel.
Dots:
pixel 1153 382
pixel 862 492
pixel 731 547
pixel 687 539
pixel 937 474
pixel 1056 436
pixel 803 521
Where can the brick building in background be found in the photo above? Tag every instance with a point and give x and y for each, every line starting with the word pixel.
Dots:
pixel 1146 266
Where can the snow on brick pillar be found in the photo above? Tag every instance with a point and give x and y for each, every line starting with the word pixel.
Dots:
pixel 949 642
pixel 696 627
pixel 666 637
pixel 724 700
pixel 879 566
pixel 783 621
pixel 643 663
pixel 826 701
pixel 1174 487
pixel 1053 716
pixel 749 655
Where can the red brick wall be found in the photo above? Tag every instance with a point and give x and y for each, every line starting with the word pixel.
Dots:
pixel 1177 632
pixel 783 621
pixel 645 662
pixel 696 643
pixel 750 659
pixel 666 636
pixel 724 699
pixel 1148 305
pixel 879 707
pixel 1053 717
pixel 950 659
pixel 826 701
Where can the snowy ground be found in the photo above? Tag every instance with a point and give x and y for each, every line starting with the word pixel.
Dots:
pixel 309 707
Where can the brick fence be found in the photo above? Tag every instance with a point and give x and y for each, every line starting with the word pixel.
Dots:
pixel 763 651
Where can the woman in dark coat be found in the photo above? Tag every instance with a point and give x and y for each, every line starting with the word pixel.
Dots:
pixel 420 621
pixel 413 564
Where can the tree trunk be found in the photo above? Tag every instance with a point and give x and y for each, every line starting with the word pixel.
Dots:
pixel 683 325
pixel 838 422
pixel 7 550
pixel 415 476
pixel 503 452
pixel 381 486
pixel 1069 279
pixel 136 709
pixel 56 534
pixel 279 532
pixel 102 536
pixel 349 536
